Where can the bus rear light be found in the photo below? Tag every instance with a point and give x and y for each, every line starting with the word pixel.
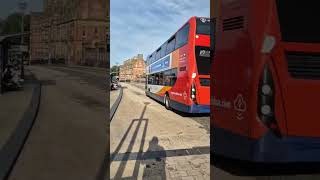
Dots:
pixel 266 89
pixel 266 101
pixel 193 92
pixel 194 75
pixel 266 110
pixel 268 44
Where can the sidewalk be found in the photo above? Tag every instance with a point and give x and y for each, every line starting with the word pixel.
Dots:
pixel 16 111
pixel 149 142
pixel 113 96
pixel 138 85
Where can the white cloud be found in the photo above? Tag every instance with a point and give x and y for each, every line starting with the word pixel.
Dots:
pixel 140 26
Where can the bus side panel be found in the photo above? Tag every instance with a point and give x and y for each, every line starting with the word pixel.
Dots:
pixel 180 91
pixel 232 72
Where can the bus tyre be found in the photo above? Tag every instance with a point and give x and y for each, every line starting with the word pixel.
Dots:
pixel 167 102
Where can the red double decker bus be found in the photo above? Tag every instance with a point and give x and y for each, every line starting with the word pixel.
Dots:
pixel 178 71
pixel 266 81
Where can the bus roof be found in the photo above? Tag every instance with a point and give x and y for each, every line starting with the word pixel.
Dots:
pixel 193 17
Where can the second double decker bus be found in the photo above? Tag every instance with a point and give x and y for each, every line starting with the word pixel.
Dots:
pixel 178 71
pixel 266 81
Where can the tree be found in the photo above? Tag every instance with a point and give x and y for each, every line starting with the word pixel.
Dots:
pixel 115 70
pixel 12 24
pixel 1 24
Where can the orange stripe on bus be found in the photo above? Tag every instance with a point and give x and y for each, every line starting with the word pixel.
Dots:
pixel 164 90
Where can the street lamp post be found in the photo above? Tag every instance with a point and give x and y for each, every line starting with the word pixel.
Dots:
pixel 22 8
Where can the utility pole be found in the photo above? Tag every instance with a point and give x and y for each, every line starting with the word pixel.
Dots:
pixel 22 8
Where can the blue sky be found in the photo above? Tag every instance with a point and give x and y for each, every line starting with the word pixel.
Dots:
pixel 141 26
pixel 10 6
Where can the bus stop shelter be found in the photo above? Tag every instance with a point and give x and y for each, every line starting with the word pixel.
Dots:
pixel 10 44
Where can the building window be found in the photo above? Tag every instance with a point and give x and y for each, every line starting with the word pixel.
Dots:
pixel 84 33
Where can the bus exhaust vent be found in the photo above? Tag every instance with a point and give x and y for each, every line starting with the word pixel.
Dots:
pixel 304 65
pixel 233 23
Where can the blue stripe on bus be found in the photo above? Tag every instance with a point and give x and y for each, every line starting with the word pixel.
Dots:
pixel 160 65
pixel 268 149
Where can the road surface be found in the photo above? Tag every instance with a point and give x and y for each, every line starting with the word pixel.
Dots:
pixel 69 139
pixel 150 142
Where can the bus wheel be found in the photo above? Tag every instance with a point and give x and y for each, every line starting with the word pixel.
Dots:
pixel 167 102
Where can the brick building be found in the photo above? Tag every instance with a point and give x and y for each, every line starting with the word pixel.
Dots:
pixel 77 32
pixel 132 69
pixel 38 37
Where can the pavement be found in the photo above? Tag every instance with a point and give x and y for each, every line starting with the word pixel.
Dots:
pixel 69 139
pixel 13 105
pixel 113 96
pixel 138 85
pixel 18 111
pixel 150 142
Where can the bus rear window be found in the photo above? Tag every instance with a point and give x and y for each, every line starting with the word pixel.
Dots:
pixel 203 26
pixel 203 60
pixel 205 82
pixel 298 21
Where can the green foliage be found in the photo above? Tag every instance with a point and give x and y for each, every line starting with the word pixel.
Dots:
pixel 115 70
pixel 1 25
pixel 12 24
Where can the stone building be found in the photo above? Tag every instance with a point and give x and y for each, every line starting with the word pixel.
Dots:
pixel 38 38
pixel 132 69
pixel 77 31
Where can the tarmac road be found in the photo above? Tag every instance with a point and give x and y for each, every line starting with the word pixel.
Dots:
pixel 69 139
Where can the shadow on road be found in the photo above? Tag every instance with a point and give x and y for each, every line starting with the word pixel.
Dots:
pixel 126 156
pixel 158 164
pixel 154 159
